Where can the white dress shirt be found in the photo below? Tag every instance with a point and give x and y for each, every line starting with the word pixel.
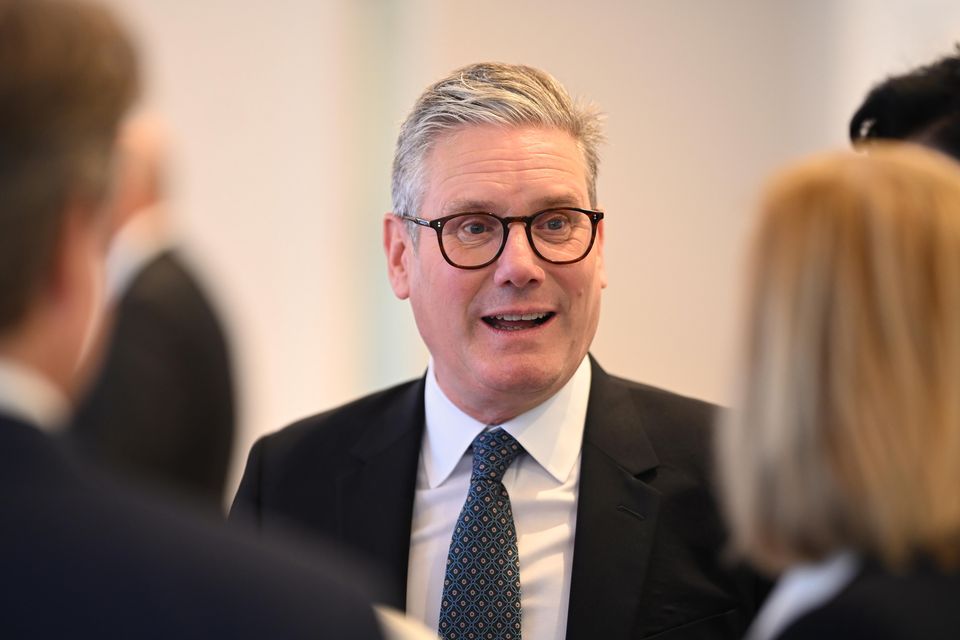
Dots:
pixel 800 590
pixel 396 626
pixel 543 486
pixel 27 395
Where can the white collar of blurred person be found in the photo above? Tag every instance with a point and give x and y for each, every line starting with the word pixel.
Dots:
pixel 26 394
pixel 551 433
pixel 800 590
pixel 137 243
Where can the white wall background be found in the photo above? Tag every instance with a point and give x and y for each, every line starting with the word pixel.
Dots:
pixel 286 111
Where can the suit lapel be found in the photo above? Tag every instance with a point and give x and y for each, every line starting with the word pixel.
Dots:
pixel 616 515
pixel 375 495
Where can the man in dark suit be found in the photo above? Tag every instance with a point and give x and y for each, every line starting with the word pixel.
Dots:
pixel 80 556
pixel 517 489
pixel 162 408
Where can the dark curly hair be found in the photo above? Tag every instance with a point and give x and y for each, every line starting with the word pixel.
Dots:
pixel 922 105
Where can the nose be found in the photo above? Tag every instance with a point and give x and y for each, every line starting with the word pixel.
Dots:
pixel 518 265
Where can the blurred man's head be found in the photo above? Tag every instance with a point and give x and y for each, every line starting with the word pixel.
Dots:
pixel 67 76
pixel 921 106
pixel 142 164
pixel 507 308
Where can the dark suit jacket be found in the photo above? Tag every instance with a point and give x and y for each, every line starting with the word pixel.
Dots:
pixel 82 558
pixel 162 409
pixel 878 605
pixel 648 536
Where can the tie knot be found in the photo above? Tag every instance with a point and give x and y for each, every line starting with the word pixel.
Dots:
pixel 493 451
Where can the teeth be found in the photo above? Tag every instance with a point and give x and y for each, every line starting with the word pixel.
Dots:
pixel 525 316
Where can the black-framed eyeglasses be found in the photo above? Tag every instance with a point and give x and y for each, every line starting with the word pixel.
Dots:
pixel 560 235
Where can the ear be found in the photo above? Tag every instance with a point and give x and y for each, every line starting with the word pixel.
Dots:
pixel 69 267
pixel 598 247
pixel 399 250
pixel 70 303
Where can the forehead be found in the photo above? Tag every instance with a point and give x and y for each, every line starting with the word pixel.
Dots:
pixel 497 167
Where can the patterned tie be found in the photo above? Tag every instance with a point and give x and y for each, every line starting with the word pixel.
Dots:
pixel 481 590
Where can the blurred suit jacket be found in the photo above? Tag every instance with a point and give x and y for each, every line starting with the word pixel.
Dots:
pixel 646 559
pixel 878 605
pixel 162 409
pixel 83 558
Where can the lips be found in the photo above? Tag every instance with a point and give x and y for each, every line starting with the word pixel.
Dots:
pixel 518 321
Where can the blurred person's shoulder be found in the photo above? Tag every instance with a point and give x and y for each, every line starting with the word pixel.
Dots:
pixel 878 604
pixel 113 562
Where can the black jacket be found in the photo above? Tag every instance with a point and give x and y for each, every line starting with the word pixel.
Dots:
pixel 648 538
pixel 84 558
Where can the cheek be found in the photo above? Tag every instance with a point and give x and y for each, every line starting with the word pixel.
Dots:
pixel 585 295
pixel 445 302
pixel 581 286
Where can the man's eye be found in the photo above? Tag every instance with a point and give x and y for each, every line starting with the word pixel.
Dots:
pixel 474 226
pixel 553 223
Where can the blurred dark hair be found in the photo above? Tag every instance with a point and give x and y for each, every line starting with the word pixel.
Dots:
pixel 68 74
pixel 922 106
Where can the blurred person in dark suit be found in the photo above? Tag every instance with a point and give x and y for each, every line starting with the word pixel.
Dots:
pixel 81 556
pixel 921 105
pixel 840 461
pixel 162 407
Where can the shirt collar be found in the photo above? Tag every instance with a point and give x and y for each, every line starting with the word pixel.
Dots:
pixel 550 432
pixel 135 245
pixel 802 589
pixel 26 394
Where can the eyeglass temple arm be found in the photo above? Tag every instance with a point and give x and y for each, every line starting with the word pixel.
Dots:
pixel 420 221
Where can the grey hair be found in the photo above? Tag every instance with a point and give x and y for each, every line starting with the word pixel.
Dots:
pixel 489 93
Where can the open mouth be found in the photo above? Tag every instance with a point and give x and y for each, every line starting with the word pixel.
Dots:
pixel 518 322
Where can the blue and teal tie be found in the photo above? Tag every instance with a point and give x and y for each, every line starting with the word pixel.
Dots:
pixel 481 589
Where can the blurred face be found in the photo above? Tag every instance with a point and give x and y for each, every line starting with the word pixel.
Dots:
pixel 61 333
pixel 506 337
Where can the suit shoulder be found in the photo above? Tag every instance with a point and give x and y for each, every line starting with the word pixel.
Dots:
pixel 666 397
pixel 168 291
pixel 343 425
pixel 667 408
pixel 678 427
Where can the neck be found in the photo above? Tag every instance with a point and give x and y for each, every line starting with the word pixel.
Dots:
pixel 38 353
pixel 496 406
pixel 494 412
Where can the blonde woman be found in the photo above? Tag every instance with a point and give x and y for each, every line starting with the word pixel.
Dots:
pixel 841 461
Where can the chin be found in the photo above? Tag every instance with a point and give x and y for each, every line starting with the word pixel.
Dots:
pixel 525 374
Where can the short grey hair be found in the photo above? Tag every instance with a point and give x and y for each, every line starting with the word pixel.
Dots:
pixel 489 93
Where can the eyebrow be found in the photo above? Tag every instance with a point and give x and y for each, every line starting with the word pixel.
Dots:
pixel 561 200
pixel 471 205
pixel 460 205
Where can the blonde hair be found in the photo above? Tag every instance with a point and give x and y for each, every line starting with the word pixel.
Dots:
pixel 847 429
